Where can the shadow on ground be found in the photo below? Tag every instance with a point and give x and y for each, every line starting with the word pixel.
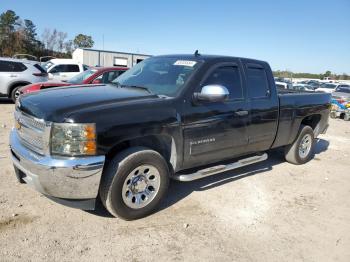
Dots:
pixel 180 190
pixel 5 100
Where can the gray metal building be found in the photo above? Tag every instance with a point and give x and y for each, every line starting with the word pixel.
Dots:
pixel 94 57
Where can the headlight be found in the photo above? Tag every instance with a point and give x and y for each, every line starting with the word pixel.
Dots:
pixel 73 139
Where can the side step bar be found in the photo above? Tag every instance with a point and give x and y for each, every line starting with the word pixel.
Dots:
pixel 219 169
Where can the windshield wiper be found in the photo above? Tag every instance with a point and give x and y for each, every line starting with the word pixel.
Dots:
pixel 139 87
pixel 135 86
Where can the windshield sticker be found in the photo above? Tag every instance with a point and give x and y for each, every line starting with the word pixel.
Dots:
pixel 185 63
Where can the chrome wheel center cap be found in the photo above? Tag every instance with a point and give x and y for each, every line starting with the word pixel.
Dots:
pixel 139 185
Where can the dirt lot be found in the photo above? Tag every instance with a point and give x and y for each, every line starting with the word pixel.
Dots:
pixel 272 211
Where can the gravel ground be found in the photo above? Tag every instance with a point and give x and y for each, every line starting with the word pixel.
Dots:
pixel 272 211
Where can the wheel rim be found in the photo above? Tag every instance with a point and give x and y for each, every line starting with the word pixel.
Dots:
pixel 141 186
pixel 17 94
pixel 305 146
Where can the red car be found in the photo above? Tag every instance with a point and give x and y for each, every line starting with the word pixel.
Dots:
pixel 98 75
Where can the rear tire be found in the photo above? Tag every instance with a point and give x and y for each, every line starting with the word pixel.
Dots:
pixel 333 115
pixel 134 183
pixel 13 93
pixel 301 151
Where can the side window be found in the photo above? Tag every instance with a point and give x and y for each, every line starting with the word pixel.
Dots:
pixel 257 82
pixel 110 76
pixel 85 67
pixel 65 69
pixel 71 68
pixel 8 66
pixel 57 69
pixel 229 77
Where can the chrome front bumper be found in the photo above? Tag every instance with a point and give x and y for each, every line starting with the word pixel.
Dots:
pixel 75 178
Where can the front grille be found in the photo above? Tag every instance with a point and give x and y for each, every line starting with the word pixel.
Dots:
pixel 32 131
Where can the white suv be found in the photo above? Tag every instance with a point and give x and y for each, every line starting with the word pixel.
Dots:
pixel 15 73
pixel 63 69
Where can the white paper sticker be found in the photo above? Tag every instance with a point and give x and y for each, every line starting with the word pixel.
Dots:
pixel 185 63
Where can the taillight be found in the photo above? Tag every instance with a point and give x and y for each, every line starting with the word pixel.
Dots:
pixel 40 74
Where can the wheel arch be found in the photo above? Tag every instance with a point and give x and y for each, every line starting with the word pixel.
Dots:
pixel 312 121
pixel 163 144
pixel 16 84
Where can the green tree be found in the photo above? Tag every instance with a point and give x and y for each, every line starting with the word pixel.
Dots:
pixel 83 41
pixel 8 23
pixel 327 74
pixel 31 43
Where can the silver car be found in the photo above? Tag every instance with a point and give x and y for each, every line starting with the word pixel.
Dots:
pixel 15 73
pixel 342 93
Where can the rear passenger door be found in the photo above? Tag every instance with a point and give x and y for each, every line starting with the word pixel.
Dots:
pixel 11 72
pixel 263 100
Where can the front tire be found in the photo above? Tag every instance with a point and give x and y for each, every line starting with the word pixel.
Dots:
pixel 134 183
pixel 301 151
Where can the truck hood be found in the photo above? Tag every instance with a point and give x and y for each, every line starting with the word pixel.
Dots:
pixel 57 104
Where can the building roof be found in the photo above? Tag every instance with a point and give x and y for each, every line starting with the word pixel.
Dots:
pixel 115 52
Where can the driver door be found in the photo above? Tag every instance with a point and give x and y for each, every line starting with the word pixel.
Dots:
pixel 214 131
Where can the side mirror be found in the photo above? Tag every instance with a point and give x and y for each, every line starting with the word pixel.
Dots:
pixel 212 93
pixel 96 81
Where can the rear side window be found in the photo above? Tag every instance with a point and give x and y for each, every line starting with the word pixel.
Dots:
pixel 257 82
pixel 9 66
pixel 72 68
pixel 229 77
pixel 37 66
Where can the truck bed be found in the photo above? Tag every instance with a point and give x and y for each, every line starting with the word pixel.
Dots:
pixel 295 106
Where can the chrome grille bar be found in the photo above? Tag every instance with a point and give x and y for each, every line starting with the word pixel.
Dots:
pixel 33 132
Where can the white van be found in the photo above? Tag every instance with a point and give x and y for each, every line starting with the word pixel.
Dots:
pixel 63 69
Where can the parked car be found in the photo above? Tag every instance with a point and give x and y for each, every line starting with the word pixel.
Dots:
pixel 179 116
pixel 342 94
pixel 15 73
pixel 303 87
pixel 313 84
pixel 330 87
pixel 100 75
pixel 63 69
pixel 283 85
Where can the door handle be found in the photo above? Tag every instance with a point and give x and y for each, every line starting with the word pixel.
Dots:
pixel 241 112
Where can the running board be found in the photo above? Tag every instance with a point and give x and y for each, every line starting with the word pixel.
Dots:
pixel 219 169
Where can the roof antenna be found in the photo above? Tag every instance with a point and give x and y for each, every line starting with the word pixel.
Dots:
pixel 196 53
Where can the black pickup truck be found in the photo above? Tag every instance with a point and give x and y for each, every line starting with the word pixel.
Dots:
pixel 178 116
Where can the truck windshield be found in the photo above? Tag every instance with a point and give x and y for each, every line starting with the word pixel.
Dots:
pixel 160 75
pixel 79 78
